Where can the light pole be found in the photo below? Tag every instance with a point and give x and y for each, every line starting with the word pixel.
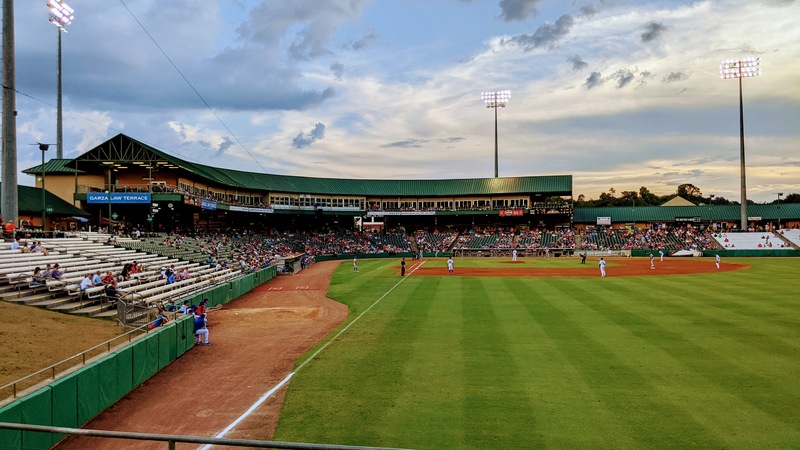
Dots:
pixel 43 148
pixel 780 194
pixel 61 15
pixel 741 68
pixel 496 99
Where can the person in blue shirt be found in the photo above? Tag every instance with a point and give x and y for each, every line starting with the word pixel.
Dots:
pixel 170 276
pixel 201 329
pixel 161 318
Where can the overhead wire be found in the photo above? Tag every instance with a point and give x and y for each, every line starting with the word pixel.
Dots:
pixel 189 83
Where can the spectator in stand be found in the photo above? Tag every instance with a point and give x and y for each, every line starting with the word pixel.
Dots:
pixel 97 280
pixel 170 276
pixel 185 308
pixel 57 274
pixel 108 278
pixel 86 283
pixel 38 277
pixel 112 292
pixel 185 275
pixel 161 318
pixel 15 244
pixel 9 228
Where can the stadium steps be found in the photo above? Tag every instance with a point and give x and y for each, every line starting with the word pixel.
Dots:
pixel 49 302
pixel 106 313
pixel 29 297
pixel 95 309
pixel 68 305
pixel 786 241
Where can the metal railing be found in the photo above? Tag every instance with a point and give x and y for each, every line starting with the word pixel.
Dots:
pixel 63 367
pixel 172 439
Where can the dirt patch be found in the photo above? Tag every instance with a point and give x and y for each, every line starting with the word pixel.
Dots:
pixel 256 342
pixel 617 267
pixel 32 339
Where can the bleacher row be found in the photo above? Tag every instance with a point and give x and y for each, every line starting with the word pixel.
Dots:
pixel 88 254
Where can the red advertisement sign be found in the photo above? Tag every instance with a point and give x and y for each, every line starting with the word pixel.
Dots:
pixel 511 212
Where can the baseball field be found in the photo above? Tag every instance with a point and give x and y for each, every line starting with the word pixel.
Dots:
pixel 655 358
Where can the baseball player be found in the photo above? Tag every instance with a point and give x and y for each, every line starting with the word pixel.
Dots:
pixel 355 264
pixel 652 261
pixel 661 254
pixel 717 260
pixel 450 265
pixel 514 255
pixel 602 267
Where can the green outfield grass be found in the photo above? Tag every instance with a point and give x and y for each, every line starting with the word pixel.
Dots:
pixel 698 361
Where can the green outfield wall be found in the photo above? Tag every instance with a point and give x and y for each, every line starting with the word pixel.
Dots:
pixel 78 397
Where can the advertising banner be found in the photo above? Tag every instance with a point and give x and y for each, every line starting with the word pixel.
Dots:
pixel 118 197
pixel 208 204
pixel 511 212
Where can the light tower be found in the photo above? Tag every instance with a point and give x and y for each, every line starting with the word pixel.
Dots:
pixel 741 68
pixel 61 15
pixel 496 99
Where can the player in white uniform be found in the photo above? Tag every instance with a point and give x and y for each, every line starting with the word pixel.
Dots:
pixel 355 264
pixel 450 265
pixel 514 255
pixel 602 267
pixel 717 262
pixel 652 261
pixel 661 254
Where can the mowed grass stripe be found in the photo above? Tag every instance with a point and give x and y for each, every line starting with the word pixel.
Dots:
pixel 615 370
pixel 427 409
pixel 763 348
pixel 498 410
pixel 679 366
pixel 563 401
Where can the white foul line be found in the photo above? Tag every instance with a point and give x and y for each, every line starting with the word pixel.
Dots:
pixel 269 393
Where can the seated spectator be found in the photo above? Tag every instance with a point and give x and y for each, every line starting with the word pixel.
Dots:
pixel 185 275
pixel 38 277
pixel 170 276
pixel 108 278
pixel 185 308
pixel 112 292
pixel 86 283
pixel 161 318
pixel 57 274
pixel 15 244
pixel 201 329
pixel 97 280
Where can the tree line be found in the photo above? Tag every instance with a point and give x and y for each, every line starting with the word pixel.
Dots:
pixel 643 197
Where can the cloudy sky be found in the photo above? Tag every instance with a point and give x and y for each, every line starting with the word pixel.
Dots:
pixel 618 93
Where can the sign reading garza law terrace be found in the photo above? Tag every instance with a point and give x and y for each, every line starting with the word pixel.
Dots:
pixel 118 197
pixel 511 212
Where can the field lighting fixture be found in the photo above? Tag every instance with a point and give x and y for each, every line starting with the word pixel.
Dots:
pixel 496 99
pixel 741 68
pixel 61 15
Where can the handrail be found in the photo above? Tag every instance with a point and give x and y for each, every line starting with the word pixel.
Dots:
pixel 171 439
pixel 82 355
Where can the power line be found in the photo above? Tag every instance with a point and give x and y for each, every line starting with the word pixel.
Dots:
pixel 192 87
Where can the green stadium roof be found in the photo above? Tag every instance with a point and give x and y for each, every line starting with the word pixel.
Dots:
pixel 52 166
pixel 30 203
pixel 124 148
pixel 706 213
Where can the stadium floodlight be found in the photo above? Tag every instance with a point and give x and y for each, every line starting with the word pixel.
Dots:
pixel 741 68
pixel 780 194
pixel 61 15
pixel 496 99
